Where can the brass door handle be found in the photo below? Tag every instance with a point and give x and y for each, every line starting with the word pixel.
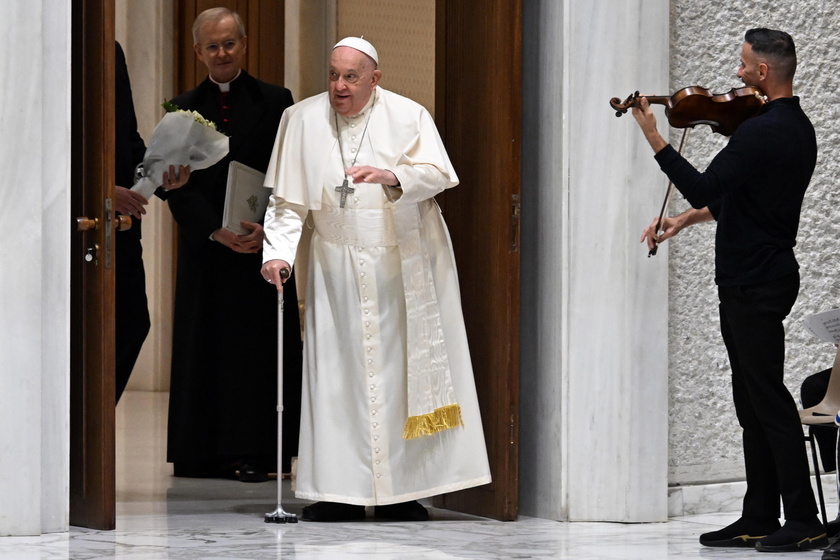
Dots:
pixel 86 224
pixel 122 223
pixel 83 223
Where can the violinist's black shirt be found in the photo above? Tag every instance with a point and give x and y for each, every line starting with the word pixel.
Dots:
pixel 754 189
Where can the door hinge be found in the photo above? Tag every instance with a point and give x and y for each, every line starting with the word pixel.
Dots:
pixel 109 233
pixel 512 429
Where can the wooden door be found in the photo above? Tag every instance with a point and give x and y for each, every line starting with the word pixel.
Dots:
pixel 92 468
pixel 478 110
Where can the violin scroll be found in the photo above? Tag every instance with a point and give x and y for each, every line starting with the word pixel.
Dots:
pixel 621 107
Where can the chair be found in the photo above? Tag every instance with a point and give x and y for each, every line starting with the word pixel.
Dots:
pixel 823 415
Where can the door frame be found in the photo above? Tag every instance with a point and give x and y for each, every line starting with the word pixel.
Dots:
pixel 469 34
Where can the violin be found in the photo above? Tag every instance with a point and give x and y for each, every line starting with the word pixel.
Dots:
pixel 694 105
pixel 688 107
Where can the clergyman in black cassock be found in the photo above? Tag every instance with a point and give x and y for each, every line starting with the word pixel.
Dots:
pixel 222 407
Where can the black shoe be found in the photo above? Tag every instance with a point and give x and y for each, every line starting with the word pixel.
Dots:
pixel 832 552
pixel 197 470
pixel 742 534
pixel 794 536
pixel 406 511
pixel 332 511
pixel 253 473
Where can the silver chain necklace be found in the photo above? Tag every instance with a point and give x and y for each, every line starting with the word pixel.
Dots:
pixel 344 188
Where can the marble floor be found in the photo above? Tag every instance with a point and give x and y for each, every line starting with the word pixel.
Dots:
pixel 160 517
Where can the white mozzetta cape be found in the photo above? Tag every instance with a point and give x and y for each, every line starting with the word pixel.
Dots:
pixel 384 331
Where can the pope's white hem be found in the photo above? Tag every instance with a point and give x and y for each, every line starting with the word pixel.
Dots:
pixel 425 493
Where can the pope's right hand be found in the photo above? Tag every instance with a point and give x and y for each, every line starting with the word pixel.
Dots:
pixel 271 272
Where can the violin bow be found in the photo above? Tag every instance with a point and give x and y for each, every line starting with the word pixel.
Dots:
pixel 665 202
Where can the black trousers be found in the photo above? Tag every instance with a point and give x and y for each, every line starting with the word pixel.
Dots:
pixel 132 321
pixel 775 458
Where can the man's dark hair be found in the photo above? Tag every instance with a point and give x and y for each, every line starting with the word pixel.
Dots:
pixel 775 46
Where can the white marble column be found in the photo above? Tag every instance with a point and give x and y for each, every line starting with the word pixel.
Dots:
pixel 310 34
pixel 594 308
pixel 35 252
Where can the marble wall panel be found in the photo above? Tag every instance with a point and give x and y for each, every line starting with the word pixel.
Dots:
pixel 596 368
pixel 55 254
pixel 617 316
pixel 20 284
pixel 34 286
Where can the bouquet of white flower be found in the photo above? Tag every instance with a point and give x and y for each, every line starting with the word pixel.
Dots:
pixel 180 138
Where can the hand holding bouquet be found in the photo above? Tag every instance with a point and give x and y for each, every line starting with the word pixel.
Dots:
pixel 180 138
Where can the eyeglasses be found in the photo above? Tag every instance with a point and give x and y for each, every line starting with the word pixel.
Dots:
pixel 227 46
pixel 350 78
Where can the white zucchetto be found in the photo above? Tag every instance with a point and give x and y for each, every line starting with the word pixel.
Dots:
pixel 360 45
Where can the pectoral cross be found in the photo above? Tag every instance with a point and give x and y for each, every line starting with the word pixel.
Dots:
pixel 344 189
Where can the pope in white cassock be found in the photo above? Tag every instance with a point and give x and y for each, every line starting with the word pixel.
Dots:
pixel 389 410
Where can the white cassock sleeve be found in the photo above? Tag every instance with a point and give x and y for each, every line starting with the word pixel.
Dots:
pixel 283 226
pixel 423 167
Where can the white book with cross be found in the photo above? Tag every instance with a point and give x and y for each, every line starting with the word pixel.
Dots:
pixel 246 198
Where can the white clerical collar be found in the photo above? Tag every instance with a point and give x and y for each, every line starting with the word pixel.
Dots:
pixel 364 110
pixel 225 86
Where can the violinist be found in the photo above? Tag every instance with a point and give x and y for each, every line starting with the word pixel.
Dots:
pixel 754 189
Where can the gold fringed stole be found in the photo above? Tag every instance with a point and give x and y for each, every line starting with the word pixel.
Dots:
pixel 432 406
pixel 441 419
